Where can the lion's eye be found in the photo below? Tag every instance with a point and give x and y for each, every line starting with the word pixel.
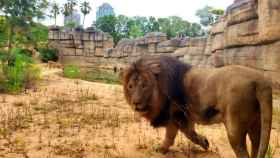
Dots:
pixel 143 85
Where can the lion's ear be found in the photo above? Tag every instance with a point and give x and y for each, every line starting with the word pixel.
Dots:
pixel 124 72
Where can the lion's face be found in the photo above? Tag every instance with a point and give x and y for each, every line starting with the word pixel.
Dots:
pixel 139 91
pixel 141 87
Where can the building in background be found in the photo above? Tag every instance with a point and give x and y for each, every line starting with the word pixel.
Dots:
pixel 104 10
pixel 75 19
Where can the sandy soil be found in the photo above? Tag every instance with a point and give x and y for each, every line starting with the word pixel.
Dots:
pixel 66 118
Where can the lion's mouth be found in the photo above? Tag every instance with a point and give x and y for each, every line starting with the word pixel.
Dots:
pixel 142 109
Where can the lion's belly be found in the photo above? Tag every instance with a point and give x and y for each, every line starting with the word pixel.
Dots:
pixel 205 114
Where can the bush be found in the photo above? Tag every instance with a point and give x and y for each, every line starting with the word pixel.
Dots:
pixel 21 51
pixel 20 72
pixel 47 54
pixel 101 76
pixel 3 56
pixel 71 71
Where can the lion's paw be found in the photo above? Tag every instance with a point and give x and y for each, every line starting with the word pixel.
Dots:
pixel 204 143
pixel 162 150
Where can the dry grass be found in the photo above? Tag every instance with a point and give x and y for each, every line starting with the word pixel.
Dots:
pixel 77 119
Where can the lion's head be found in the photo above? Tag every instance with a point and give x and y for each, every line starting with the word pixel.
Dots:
pixel 151 83
pixel 141 88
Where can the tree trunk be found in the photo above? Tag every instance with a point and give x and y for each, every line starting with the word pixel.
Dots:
pixel 10 38
pixel 55 21
pixel 84 21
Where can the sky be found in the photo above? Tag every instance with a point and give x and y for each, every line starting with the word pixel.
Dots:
pixel 157 8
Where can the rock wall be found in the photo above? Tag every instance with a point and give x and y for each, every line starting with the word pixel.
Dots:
pixel 77 47
pixel 248 34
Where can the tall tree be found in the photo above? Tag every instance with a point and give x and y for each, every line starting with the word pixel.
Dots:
pixel 85 9
pixel 65 10
pixel 108 24
pixel 122 26
pixel 209 15
pixel 71 6
pixel 1 4
pixel 153 25
pixel 55 11
pixel 21 13
pixel 68 10
pixel 134 29
pixel 165 26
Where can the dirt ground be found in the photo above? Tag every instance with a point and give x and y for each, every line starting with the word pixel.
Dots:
pixel 65 118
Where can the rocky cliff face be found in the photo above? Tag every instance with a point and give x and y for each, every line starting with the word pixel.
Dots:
pixel 248 34
pixel 75 47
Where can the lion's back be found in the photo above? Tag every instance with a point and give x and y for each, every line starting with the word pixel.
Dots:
pixel 240 73
pixel 239 81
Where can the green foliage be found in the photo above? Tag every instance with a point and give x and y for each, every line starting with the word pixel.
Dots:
pixel 3 56
pixel 108 24
pixel 74 72
pixel 209 15
pixel 71 71
pixel 38 35
pixel 3 31
pixel 47 54
pixel 101 76
pixel 19 52
pixel 19 72
pixel 125 27
pixel 85 9
pixel 24 10
pixel 217 11
pixel 68 10
pixel 71 24
pixel 55 11
pixel 135 31
pixel 19 15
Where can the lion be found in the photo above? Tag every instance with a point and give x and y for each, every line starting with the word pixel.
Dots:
pixel 175 95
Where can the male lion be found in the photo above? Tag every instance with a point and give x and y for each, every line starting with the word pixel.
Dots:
pixel 174 95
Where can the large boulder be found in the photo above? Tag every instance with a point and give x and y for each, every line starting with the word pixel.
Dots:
pixel 171 45
pixel 269 20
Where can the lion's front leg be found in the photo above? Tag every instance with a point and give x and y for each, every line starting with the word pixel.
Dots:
pixel 196 138
pixel 170 134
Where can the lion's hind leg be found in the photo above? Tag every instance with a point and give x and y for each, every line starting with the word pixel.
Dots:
pixel 237 141
pixel 254 135
pixel 236 132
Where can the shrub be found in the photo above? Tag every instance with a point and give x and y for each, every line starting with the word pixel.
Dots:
pixel 3 56
pixel 102 76
pixel 21 51
pixel 71 71
pixel 19 72
pixel 47 54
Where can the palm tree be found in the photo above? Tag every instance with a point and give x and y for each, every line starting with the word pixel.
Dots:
pixel 85 9
pixel 71 6
pixel 65 10
pixel 55 11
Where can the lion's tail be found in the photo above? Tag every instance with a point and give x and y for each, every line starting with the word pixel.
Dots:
pixel 264 96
